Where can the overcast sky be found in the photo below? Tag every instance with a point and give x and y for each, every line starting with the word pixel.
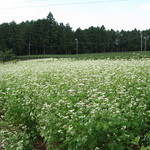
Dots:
pixel 113 14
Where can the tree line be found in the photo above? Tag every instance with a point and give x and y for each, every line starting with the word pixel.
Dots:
pixel 47 36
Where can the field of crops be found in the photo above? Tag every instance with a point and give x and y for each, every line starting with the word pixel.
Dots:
pixel 69 104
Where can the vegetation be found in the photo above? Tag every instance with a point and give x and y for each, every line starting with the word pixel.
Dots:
pixel 6 55
pixel 110 55
pixel 88 101
pixel 47 36
pixel 75 104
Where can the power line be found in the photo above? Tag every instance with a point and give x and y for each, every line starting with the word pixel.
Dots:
pixel 64 4
pixel 81 2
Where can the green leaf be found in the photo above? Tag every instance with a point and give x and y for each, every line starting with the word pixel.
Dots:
pixel 137 139
pixel 133 142
pixel 143 148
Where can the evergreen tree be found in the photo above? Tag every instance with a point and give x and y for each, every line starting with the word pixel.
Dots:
pixel 47 36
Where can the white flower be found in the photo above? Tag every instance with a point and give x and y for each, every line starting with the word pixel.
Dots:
pixel 71 92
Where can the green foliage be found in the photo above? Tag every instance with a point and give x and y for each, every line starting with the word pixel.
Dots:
pixel 47 36
pixel 75 104
pixel 16 140
pixel 6 55
pixel 108 55
pixel 146 140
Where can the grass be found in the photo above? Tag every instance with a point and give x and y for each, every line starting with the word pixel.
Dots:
pixel 111 55
pixel 75 104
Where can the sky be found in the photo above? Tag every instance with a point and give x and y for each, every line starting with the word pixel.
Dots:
pixel 113 14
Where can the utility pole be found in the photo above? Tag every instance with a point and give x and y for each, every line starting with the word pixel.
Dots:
pixel 145 38
pixel 29 49
pixel 44 50
pixel 141 42
pixel 77 51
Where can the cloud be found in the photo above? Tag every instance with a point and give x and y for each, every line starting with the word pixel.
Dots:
pixel 146 6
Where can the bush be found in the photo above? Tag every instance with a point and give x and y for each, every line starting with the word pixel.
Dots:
pixel 6 55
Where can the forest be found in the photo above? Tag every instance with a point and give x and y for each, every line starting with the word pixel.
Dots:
pixel 47 36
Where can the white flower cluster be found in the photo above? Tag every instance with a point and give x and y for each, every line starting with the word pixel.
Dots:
pixel 73 102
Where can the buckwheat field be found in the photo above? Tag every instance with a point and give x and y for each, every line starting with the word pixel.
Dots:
pixel 70 104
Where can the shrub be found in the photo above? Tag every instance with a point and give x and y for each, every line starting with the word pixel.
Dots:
pixel 6 55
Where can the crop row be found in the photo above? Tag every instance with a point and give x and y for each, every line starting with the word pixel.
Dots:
pixel 75 104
